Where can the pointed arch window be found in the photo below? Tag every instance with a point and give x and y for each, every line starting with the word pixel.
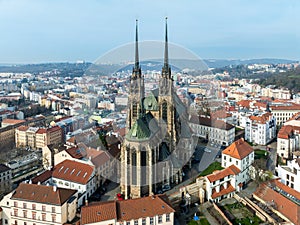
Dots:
pixel 134 110
pixel 165 111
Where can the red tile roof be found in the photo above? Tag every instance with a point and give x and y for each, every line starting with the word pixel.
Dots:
pixel 286 131
pixel 53 129
pixel 12 121
pixel 126 210
pixel 22 128
pixel 73 171
pixel 42 131
pixel 263 119
pixel 285 206
pixel 222 192
pixel 219 174
pixel 42 194
pixel 74 152
pixel 46 175
pixel 238 149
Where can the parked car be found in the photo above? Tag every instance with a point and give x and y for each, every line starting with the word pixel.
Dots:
pixel 166 188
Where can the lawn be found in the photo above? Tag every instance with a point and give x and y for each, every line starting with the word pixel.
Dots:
pixel 258 154
pixel 212 167
pixel 242 214
pixel 203 221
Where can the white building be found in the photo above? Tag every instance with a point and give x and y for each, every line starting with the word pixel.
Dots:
pixel 33 204
pixel 290 174
pixel 284 111
pixel 215 131
pixel 151 210
pixel 240 154
pixel 222 184
pixel 236 159
pixel 288 141
pixel 77 176
pixel 260 129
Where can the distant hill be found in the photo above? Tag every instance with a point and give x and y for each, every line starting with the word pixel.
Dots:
pixel 218 63
pixel 78 69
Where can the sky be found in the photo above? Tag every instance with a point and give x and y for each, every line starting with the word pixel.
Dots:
pixel 35 31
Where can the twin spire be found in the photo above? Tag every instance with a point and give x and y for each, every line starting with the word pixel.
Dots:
pixel 166 55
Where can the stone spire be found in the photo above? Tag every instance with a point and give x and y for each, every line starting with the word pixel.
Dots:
pixel 166 58
pixel 137 63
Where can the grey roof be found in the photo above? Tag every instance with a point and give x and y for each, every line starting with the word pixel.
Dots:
pixel 3 168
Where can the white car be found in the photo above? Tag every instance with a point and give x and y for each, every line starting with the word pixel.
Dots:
pixel 207 150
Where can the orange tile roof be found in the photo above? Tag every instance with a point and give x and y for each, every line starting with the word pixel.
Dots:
pixel 126 210
pixel 73 171
pixel 285 206
pixel 74 152
pixel 238 149
pixel 42 194
pixel 99 212
pixel 228 190
pixel 46 175
pixel 53 129
pixel 12 121
pixel 219 174
pixel 244 103
pixel 263 119
pixel 286 131
pixel 22 128
pixel 42 131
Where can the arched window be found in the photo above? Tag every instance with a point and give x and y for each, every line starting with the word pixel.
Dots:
pixel 165 111
pixel 134 110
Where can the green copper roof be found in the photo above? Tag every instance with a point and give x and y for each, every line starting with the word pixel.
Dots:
pixel 139 130
pixel 143 128
pixel 150 102
pixel 164 152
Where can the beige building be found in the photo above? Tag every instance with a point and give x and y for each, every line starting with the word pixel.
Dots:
pixel 151 210
pixel 33 204
pixel 36 137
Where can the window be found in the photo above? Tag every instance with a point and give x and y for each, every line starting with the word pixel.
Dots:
pixel 53 217
pixel 15 204
pixel 6 221
pixel 53 209
pixel 159 219
pixel 168 218
pixel 24 205
pixel 24 213
pixel 136 222
pixel 127 223
pixel 33 206
pixel 43 208
pixel 165 111
pixel 151 220
pixel 144 222
pixel 34 215
pixel 287 176
pixel 229 159
pixel 237 162
pixel 292 179
pixel 44 216
pixel 15 212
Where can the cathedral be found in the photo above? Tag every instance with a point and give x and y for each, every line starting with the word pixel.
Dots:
pixel 158 140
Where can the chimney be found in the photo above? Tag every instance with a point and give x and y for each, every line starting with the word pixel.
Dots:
pixel 86 202
pixel 30 181
pixel 54 188
pixel 39 183
pixel 98 148
pixel 119 146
